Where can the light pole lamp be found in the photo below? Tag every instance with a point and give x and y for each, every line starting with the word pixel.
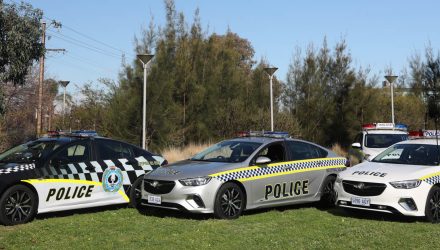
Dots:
pixel 270 71
pixel 144 59
pixel 391 79
pixel 64 84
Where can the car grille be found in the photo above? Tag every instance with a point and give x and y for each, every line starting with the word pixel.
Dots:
pixel 363 188
pixel 158 187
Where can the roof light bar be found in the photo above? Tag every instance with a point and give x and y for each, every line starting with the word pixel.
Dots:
pixel 272 134
pixel 378 126
pixel 424 134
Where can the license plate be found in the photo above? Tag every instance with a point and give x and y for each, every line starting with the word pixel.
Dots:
pixel 154 199
pixel 365 202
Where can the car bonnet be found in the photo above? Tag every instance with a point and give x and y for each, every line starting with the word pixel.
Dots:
pixel 385 172
pixel 188 169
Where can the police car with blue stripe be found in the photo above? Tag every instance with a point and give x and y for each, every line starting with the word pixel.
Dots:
pixel 70 171
pixel 403 179
pixel 258 170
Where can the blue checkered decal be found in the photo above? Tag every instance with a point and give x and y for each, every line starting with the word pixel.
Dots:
pixel 433 179
pixel 17 168
pixel 250 172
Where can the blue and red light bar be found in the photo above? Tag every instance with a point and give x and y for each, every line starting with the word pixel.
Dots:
pixel 424 134
pixel 378 126
pixel 272 134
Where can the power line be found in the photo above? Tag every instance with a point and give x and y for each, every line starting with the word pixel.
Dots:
pixel 90 38
pixel 74 42
pixel 82 42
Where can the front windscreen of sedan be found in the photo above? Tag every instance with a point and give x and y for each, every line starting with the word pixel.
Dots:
pixel 383 140
pixel 28 152
pixel 410 154
pixel 227 151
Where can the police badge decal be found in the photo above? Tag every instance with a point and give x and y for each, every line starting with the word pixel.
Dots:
pixel 112 179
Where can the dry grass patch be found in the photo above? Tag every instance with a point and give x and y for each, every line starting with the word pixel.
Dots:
pixel 338 150
pixel 173 154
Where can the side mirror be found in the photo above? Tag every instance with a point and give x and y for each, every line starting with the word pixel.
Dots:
pixel 262 160
pixel 356 145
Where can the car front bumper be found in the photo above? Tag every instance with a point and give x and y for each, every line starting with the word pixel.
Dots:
pixel 409 202
pixel 195 199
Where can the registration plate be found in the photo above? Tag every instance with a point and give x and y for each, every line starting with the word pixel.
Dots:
pixel 365 202
pixel 154 199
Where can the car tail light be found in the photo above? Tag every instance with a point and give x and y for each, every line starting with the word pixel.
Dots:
pixel 164 163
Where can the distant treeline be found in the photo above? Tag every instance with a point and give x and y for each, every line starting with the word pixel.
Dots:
pixel 204 86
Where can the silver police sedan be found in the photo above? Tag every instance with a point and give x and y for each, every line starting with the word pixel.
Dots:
pixel 258 170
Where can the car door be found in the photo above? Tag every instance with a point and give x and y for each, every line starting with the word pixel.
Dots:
pixel 308 165
pixel 123 157
pixel 272 186
pixel 69 180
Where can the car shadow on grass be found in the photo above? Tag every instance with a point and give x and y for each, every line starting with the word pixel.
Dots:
pixel 371 215
pixel 80 211
pixel 177 214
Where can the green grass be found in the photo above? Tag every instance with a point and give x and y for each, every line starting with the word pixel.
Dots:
pixel 291 227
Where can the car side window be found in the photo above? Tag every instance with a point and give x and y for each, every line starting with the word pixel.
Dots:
pixel 301 151
pixel 77 152
pixel 275 152
pixel 108 149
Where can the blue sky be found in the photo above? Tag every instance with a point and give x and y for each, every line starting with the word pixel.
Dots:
pixel 379 34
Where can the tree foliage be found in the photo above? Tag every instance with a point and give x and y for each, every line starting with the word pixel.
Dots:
pixel 20 40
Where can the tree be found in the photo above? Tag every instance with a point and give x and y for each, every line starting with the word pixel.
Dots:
pixel 20 40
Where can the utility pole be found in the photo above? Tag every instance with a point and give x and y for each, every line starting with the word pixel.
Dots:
pixel 40 81
pixel 41 76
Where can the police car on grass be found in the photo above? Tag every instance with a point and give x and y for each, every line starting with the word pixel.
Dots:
pixel 375 137
pixel 261 169
pixel 71 171
pixel 405 179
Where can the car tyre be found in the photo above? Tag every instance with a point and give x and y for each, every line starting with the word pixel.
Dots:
pixel 328 194
pixel 136 192
pixel 229 201
pixel 432 208
pixel 18 205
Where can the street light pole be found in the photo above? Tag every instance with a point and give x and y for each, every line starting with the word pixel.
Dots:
pixel 144 59
pixel 64 84
pixel 270 71
pixel 391 80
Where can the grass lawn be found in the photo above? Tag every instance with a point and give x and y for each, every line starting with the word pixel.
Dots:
pixel 289 227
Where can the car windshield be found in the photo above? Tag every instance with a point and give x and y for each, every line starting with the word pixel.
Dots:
pixel 410 154
pixel 227 151
pixel 383 140
pixel 28 152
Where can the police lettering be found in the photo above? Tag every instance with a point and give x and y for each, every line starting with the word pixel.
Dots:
pixel 70 193
pixel 369 173
pixel 282 190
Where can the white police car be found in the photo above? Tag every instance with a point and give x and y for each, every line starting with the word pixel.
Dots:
pixel 375 137
pixel 405 179
pixel 64 172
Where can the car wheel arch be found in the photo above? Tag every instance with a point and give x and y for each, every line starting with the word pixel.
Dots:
pixel 241 186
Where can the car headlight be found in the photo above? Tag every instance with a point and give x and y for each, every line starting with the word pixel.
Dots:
pixel 198 181
pixel 406 184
